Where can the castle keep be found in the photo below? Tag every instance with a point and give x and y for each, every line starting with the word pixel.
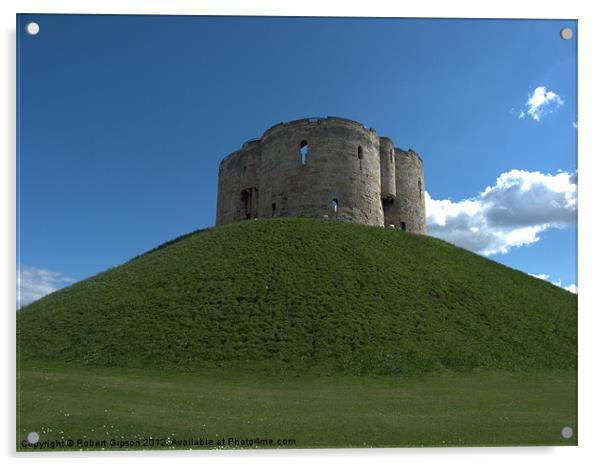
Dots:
pixel 330 168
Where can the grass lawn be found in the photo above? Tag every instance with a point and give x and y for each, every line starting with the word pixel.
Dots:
pixel 112 405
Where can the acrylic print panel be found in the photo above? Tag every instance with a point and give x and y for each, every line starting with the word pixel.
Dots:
pixel 286 232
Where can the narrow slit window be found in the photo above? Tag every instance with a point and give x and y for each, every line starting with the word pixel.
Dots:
pixel 403 226
pixel 303 152
pixel 273 208
pixel 360 152
pixel 391 155
pixel 420 189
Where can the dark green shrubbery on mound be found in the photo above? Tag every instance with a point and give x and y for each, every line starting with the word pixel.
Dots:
pixel 302 294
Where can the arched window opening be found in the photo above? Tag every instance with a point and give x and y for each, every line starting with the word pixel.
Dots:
pixel 334 206
pixel 303 152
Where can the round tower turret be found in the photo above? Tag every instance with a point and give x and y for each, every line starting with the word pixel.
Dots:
pixel 410 209
pixel 325 168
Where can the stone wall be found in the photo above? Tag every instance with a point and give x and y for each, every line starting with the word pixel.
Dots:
pixel 331 168
pixel 410 211
pixel 238 174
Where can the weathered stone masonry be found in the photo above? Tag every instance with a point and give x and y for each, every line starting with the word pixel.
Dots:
pixel 331 168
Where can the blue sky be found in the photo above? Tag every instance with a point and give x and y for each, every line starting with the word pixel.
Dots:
pixel 122 122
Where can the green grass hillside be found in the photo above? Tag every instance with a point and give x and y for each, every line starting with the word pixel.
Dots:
pixel 299 294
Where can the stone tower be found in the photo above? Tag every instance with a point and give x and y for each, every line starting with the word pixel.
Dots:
pixel 329 168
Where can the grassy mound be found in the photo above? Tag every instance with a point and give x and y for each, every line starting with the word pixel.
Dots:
pixel 296 294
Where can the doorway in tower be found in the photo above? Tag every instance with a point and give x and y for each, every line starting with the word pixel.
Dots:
pixel 389 211
pixel 248 200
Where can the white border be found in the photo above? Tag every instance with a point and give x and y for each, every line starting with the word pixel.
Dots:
pixel 590 152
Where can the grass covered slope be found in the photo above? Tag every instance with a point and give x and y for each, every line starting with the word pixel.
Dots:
pixel 300 293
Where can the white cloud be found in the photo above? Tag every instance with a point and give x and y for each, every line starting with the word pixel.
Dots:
pixel 575 125
pixel 541 102
pixel 33 284
pixel 512 213
pixel 541 276
pixel 572 288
